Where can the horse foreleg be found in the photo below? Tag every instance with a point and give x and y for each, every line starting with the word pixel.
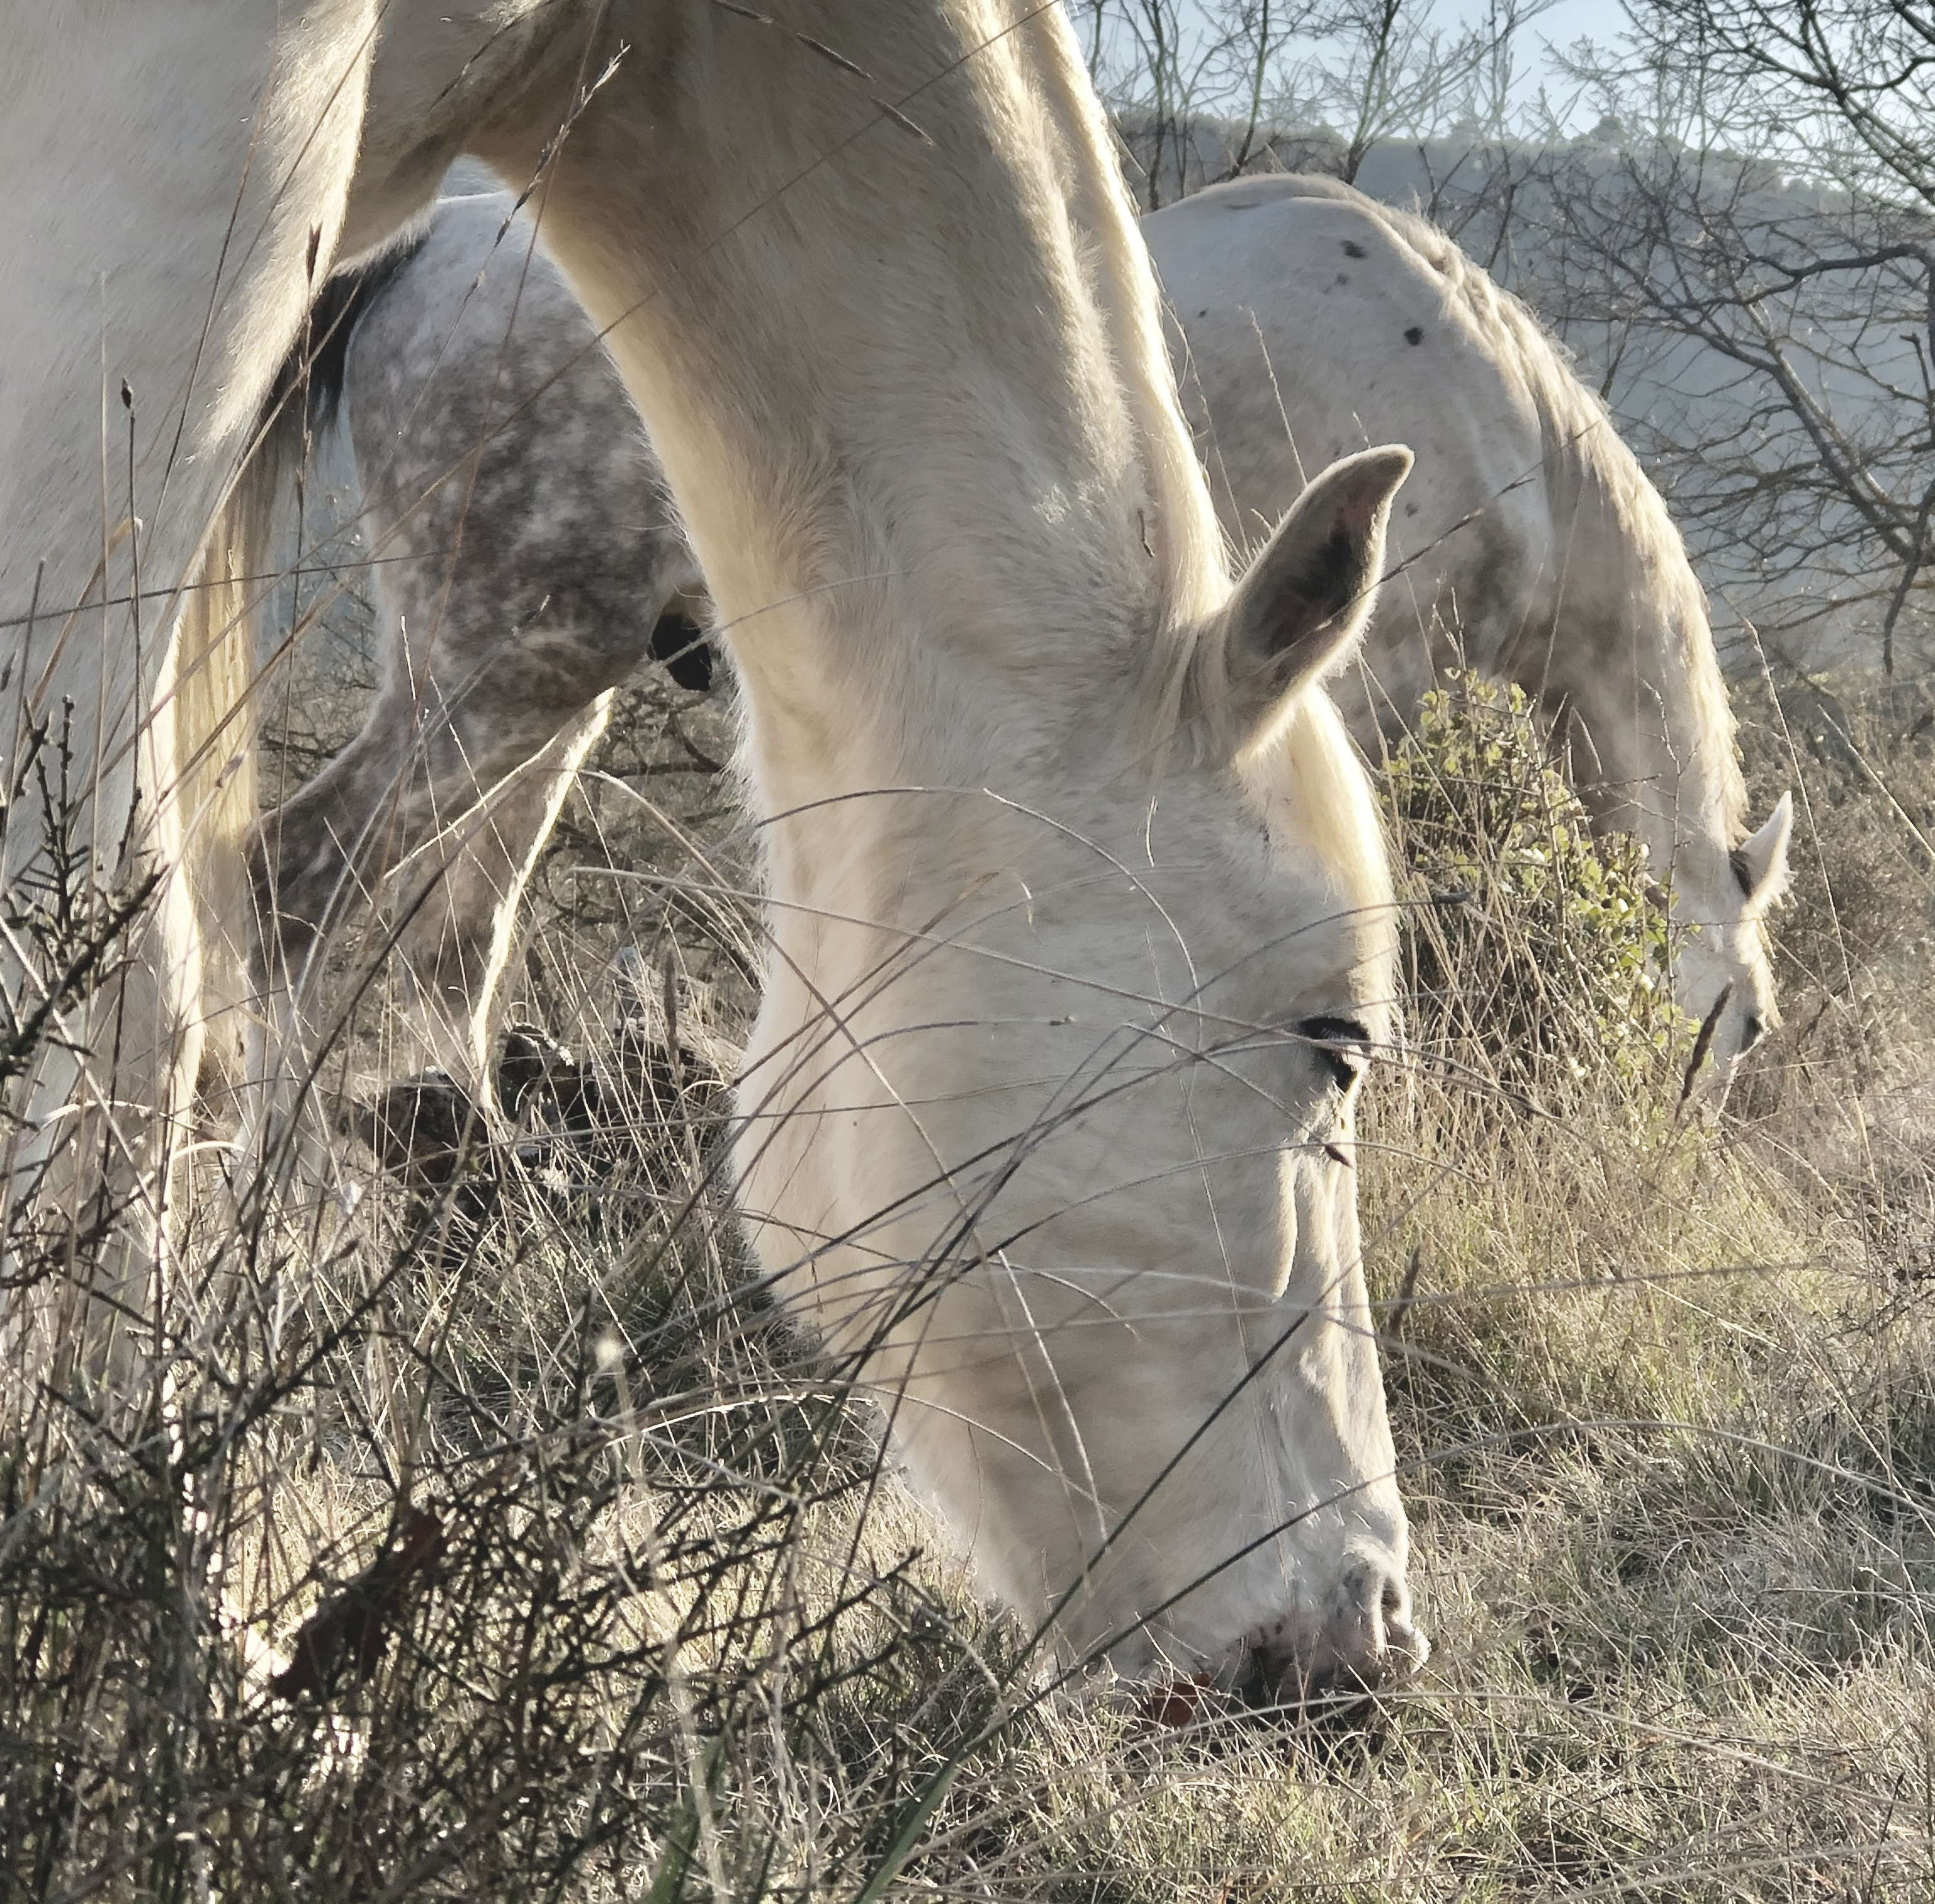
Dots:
pixel 176 178
pixel 102 1104
pixel 453 786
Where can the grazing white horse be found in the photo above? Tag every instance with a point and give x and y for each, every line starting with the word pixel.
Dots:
pixel 1079 926
pixel 1531 547
pixel 1308 319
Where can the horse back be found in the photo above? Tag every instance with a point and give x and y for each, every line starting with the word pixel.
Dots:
pixel 1307 324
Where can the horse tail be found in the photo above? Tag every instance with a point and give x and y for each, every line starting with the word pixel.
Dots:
pixel 217 669
pixel 214 735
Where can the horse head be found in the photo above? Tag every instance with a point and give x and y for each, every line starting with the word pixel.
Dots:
pixel 1721 974
pixel 1061 1166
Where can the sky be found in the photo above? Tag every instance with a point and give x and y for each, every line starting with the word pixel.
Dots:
pixel 1568 20
pixel 1562 24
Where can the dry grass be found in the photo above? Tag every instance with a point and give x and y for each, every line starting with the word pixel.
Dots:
pixel 1667 1399
pixel 1665 1396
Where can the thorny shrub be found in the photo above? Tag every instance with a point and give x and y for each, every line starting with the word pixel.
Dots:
pixel 491 1538
pixel 1532 953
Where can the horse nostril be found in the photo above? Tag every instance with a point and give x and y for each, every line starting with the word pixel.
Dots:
pixel 1330 1661
pixel 1753 1028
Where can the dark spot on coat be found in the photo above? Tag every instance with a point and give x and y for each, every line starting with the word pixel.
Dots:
pixel 1343 277
pixel 1415 335
pixel 1354 249
pixel 680 642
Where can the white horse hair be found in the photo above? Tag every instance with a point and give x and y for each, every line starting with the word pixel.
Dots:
pixel 1531 547
pixel 1080 927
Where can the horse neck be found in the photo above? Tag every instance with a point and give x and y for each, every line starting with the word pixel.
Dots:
pixel 1638 673
pixel 905 374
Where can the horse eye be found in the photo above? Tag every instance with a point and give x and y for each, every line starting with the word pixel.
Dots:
pixel 1343 1044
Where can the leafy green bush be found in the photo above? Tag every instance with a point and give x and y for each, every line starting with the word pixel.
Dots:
pixel 1532 952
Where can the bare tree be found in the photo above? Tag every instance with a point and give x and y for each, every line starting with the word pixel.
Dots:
pixel 1758 272
pixel 1191 85
pixel 1209 91
pixel 1741 251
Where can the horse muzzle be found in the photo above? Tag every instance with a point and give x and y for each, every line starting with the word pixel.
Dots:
pixel 1330 1655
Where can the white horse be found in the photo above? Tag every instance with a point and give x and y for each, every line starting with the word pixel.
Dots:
pixel 1531 547
pixel 1079 926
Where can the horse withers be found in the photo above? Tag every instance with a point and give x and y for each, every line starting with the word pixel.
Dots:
pixel 1079 926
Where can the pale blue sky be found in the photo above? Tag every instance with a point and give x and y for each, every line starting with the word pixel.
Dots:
pixel 1562 25
pixel 1602 20
pixel 1568 20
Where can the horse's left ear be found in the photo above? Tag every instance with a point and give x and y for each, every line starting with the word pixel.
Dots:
pixel 1760 860
pixel 1298 612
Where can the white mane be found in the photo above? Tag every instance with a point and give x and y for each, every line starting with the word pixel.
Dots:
pixel 1595 478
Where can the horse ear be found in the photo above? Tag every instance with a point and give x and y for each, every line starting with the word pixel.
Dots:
pixel 1298 612
pixel 1760 860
